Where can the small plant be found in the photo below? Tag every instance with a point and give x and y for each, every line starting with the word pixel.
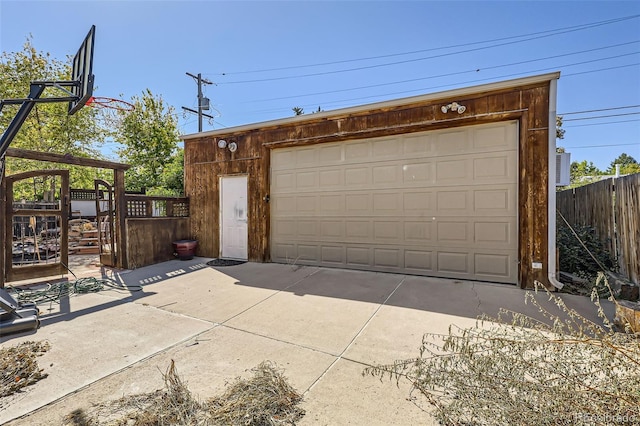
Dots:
pixel 514 369
pixel 576 260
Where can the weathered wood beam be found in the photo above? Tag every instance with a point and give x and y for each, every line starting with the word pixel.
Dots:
pixel 65 159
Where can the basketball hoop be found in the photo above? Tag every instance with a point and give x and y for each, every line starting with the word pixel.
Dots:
pixel 110 103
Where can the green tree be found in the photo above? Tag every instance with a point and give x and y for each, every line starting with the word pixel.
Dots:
pixel 149 136
pixel 173 175
pixel 628 165
pixel 48 128
pixel 583 172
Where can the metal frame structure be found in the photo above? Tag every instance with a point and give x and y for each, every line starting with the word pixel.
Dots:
pixel 81 90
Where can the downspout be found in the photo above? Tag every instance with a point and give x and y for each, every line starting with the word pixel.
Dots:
pixel 553 92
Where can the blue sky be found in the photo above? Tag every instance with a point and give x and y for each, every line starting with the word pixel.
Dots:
pixel 261 54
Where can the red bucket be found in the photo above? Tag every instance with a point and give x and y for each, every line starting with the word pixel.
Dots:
pixel 185 249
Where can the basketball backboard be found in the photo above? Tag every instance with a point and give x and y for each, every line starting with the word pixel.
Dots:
pixel 82 72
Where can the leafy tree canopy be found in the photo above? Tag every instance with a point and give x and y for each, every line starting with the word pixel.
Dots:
pixel 149 136
pixel 628 165
pixel 583 172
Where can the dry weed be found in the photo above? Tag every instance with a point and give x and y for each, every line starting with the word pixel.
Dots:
pixel 264 399
pixel 19 367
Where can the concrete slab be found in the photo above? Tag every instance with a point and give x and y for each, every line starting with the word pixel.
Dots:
pixel 213 295
pixel 323 326
pixel 206 364
pixel 396 333
pixel 471 299
pixel 345 397
pixel 325 311
pixel 100 335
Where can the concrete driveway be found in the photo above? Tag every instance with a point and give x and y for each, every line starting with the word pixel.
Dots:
pixel 323 326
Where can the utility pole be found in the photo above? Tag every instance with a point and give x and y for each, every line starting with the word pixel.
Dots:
pixel 203 103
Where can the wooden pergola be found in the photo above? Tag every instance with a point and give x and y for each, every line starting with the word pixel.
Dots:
pixel 119 197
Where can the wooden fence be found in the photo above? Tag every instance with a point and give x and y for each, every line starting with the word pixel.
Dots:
pixel 612 208
pixel 149 206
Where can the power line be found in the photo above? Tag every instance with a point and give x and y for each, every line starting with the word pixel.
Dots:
pixel 601 69
pixel 482 80
pixel 463 72
pixel 602 116
pixel 601 146
pixel 598 110
pixel 601 124
pixel 557 30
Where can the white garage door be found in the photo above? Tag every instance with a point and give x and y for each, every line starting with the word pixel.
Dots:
pixel 440 203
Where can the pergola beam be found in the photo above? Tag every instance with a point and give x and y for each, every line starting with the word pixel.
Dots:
pixel 64 159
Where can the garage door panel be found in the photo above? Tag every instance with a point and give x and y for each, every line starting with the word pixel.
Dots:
pixel 387 231
pixel 332 230
pixel 418 232
pixel 418 261
pixel 493 265
pixel 387 258
pixel 493 137
pixel 453 262
pixel 358 203
pixel 331 178
pixel 440 203
pixel 331 154
pixel 416 144
pixel 385 174
pixel 358 230
pixel 461 233
pixel 357 151
pixel 385 148
pixel 453 232
pixel 494 167
pixel 358 256
pixel 333 254
pixel 453 201
pixel 420 173
pixel 357 176
pixel 306 156
pixel 420 203
pixel 451 142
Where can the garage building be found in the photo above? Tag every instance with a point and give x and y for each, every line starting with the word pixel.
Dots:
pixel 452 184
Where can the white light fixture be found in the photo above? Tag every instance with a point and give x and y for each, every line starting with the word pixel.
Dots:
pixel 222 144
pixel 453 106
pixel 233 147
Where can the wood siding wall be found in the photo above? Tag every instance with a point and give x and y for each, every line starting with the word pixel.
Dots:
pixel 205 163
pixel 149 239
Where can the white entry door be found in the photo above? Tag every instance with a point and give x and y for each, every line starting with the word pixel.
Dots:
pixel 233 217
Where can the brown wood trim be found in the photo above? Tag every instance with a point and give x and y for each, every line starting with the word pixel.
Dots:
pixel 122 260
pixel 37 271
pixel 225 161
pixel 64 159
pixel 400 128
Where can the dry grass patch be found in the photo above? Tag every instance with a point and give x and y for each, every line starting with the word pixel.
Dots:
pixel 563 371
pixel 19 367
pixel 266 398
